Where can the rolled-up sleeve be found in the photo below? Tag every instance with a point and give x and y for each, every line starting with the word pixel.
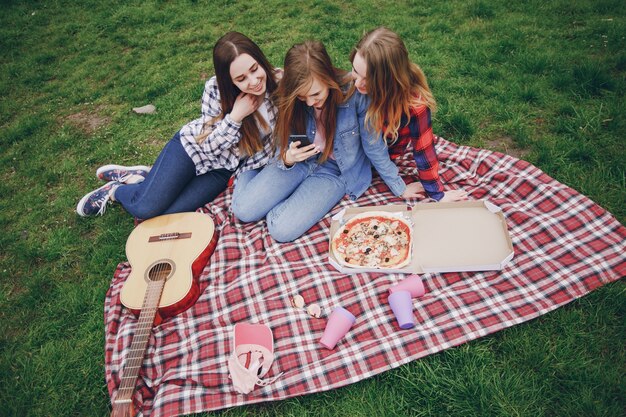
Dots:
pixel 218 149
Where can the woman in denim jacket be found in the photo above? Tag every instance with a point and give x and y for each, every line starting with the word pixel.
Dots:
pixel 305 182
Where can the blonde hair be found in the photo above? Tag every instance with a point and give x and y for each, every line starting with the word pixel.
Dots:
pixel 394 83
pixel 304 63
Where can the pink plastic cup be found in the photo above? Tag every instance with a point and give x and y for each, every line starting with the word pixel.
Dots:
pixel 402 307
pixel 339 322
pixel 412 284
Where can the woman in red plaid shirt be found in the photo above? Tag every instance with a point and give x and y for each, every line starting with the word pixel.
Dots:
pixel 401 106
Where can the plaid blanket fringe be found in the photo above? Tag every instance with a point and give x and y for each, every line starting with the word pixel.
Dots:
pixel 565 246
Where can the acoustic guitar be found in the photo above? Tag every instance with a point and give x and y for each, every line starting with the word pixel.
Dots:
pixel 167 254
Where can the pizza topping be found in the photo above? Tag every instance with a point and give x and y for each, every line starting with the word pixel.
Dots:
pixel 375 239
pixel 390 239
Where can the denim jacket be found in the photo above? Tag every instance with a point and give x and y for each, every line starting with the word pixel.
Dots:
pixel 356 149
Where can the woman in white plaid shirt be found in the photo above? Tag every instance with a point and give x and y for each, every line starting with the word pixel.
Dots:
pixel 194 167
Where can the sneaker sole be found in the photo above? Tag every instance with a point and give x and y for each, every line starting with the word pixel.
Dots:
pixel 109 167
pixel 81 204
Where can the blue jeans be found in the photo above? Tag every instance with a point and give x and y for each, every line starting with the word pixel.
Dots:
pixel 292 201
pixel 172 185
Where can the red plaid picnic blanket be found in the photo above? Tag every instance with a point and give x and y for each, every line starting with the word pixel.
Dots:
pixel 565 246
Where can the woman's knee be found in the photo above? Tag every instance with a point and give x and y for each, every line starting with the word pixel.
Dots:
pixel 145 213
pixel 282 235
pixel 283 232
pixel 244 210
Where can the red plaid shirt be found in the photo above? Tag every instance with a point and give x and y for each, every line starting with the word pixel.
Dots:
pixel 418 133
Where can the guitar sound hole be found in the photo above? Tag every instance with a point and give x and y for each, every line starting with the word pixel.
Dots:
pixel 160 271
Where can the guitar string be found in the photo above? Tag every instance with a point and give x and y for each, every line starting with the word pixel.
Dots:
pixel 125 393
pixel 133 361
pixel 152 292
pixel 145 317
pixel 148 318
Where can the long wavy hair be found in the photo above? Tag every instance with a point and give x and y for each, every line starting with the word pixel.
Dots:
pixel 394 83
pixel 225 51
pixel 304 63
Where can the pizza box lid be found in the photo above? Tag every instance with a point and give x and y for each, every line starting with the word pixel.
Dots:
pixel 447 237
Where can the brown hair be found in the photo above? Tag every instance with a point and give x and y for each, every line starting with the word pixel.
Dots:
pixel 304 63
pixel 394 83
pixel 225 51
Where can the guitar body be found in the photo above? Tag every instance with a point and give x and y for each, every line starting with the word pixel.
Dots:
pixel 167 254
pixel 177 245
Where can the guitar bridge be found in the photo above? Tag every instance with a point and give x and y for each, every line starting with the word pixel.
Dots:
pixel 169 236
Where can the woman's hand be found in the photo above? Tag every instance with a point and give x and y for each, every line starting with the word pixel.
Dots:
pixel 245 105
pixel 454 195
pixel 295 154
pixel 414 190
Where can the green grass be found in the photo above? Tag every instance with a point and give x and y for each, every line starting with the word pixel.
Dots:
pixel 546 79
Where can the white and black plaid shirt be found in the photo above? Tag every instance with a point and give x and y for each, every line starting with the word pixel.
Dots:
pixel 220 149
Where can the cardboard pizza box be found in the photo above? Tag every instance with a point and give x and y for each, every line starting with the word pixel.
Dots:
pixel 447 237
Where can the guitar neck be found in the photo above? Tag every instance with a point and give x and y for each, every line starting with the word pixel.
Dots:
pixel 173 248
pixel 137 350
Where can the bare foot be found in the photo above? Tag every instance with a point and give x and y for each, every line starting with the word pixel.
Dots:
pixel 454 195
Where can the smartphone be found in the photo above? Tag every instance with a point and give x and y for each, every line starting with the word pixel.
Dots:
pixel 304 140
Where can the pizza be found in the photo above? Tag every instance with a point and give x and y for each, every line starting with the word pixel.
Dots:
pixel 376 239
